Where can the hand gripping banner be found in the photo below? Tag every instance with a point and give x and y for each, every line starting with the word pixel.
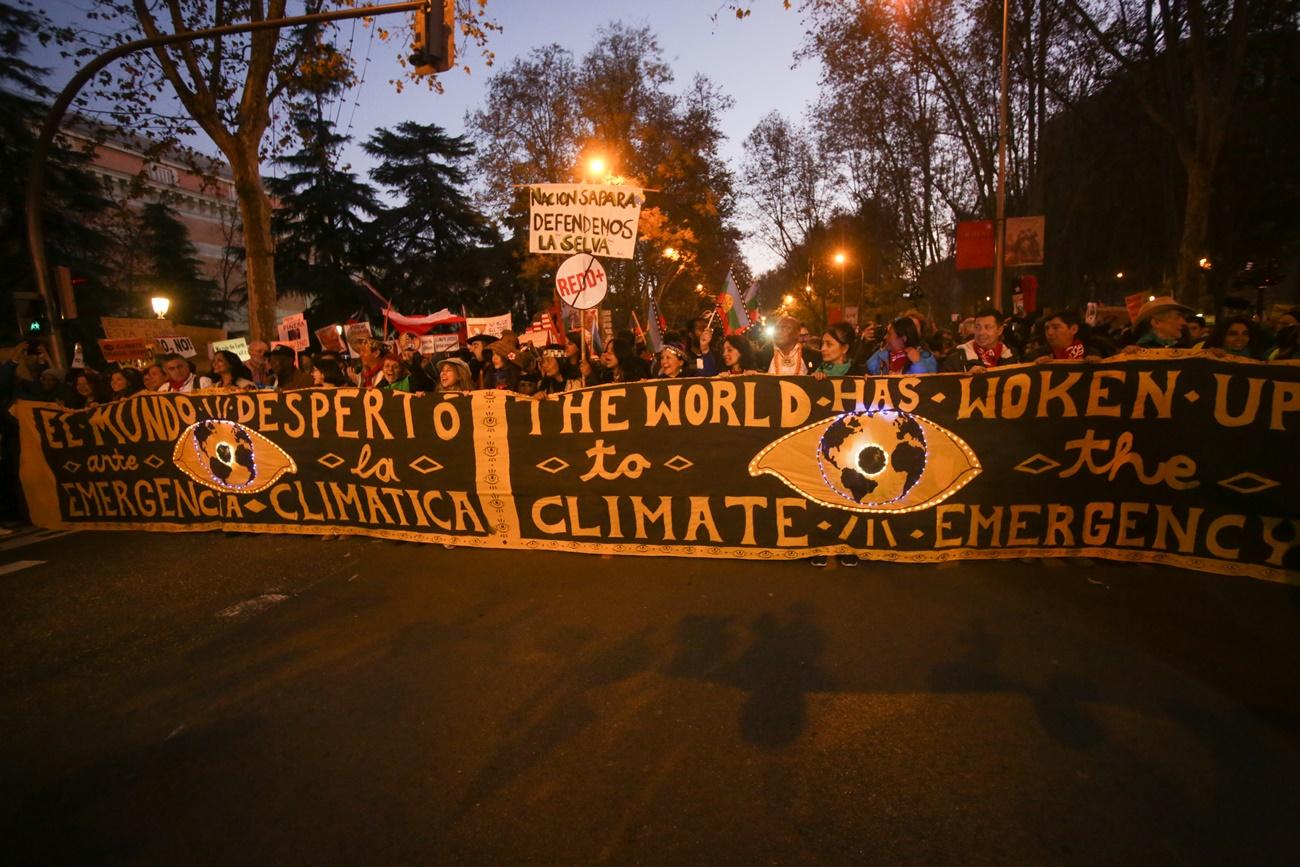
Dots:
pixel 1181 459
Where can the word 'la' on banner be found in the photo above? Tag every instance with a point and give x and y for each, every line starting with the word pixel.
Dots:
pixel 1138 459
pixel 584 218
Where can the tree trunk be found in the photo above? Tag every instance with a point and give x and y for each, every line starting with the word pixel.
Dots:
pixel 259 245
pixel 1188 282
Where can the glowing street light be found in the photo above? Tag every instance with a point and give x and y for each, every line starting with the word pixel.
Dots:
pixel 789 299
pixel 1205 263
pixel 671 253
pixel 160 305
pixel 1119 275
pixel 596 165
pixel 840 258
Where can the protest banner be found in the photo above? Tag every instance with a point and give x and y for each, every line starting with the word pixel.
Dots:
pixel 355 332
pixel 536 339
pixel 974 245
pixel 1024 241
pixel 432 344
pixel 237 345
pixel 1133 304
pixel 584 218
pixel 330 338
pixel 580 281
pixel 181 346
pixel 1135 459
pixel 493 325
pixel 126 349
pixel 292 331
pixel 121 327
pixel 606 325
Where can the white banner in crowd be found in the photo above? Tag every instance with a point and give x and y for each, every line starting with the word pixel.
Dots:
pixel 492 325
pixel 584 218
pixel 431 344
pixel 181 346
pixel 237 345
pixel 355 332
pixel 293 331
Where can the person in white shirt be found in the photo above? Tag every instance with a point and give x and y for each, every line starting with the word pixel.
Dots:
pixel 180 377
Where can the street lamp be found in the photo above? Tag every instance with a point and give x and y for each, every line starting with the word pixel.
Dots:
pixel 160 305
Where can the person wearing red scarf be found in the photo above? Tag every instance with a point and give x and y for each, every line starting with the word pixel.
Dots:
pixel 1061 331
pixel 179 376
pixel 986 350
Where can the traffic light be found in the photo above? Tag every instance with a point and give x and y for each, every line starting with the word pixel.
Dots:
pixel 33 320
pixel 433 40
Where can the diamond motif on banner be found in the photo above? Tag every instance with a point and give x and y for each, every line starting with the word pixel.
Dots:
pixel 1192 397
pixel 823 526
pixel 677 463
pixel 254 506
pixel 1039 463
pixel 918 534
pixel 71 466
pixel 553 465
pixel 425 464
pixel 330 461
pixel 823 401
pixel 153 461
pixel 938 397
pixel 1248 483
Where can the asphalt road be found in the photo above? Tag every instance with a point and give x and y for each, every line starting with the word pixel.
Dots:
pixel 178 699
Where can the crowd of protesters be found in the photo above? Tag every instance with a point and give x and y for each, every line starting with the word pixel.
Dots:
pixel 906 344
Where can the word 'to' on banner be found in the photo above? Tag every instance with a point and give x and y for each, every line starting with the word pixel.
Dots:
pixel 1184 460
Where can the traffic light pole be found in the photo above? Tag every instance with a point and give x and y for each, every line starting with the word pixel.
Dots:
pixel 36 174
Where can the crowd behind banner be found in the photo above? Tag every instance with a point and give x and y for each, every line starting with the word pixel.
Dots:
pixel 907 344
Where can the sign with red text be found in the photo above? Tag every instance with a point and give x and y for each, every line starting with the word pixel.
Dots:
pixel 293 332
pixel 581 282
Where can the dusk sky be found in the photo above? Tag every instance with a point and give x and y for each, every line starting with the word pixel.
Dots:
pixel 751 60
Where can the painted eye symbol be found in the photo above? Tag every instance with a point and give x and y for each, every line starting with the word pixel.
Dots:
pixel 229 457
pixel 871 461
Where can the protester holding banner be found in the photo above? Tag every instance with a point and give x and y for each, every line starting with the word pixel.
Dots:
pixel 125 382
pixel 454 376
pixel 397 376
pixel 258 366
pixel 1237 335
pixel 985 350
pixel 672 362
pixel 557 374
pixel 620 363
pixel 703 357
pixel 287 375
pixel 327 372
pixel 153 377
pixel 1067 338
pixel 180 376
pixel 1159 324
pixel 903 352
pixel 507 364
pixel 787 357
pixel 371 355
pixel 737 356
pixel 88 391
pixel 837 346
pixel 230 372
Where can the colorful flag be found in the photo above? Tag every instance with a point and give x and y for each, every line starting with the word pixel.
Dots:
pixel 732 307
pixel 655 337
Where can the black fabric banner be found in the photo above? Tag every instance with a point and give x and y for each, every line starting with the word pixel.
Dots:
pixel 1179 459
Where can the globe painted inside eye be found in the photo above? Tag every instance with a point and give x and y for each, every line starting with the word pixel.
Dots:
pixel 872 457
pixel 226 456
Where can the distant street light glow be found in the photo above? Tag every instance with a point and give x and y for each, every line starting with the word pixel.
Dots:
pixel 160 305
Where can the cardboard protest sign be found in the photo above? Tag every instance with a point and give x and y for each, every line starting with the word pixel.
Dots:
pixel 492 325
pixel 432 344
pixel 331 338
pixel 292 331
pixel 1024 242
pixel 580 281
pixel 181 346
pixel 120 327
pixel 535 338
pixel 238 345
pixel 584 218
pixel 1137 458
pixel 355 332
pixel 127 349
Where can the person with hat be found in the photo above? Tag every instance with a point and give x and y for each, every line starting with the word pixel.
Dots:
pixel 287 376
pixel 983 351
pixel 558 374
pixel 370 352
pixel 480 364
pixel 507 363
pixel 1161 323
pixel 672 362
pixel 454 376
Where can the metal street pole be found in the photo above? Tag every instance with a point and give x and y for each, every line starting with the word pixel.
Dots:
pixel 1000 224
pixel 36 174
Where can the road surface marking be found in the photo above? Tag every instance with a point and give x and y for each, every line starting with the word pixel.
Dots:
pixel 252 606
pixel 31 536
pixel 21 564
